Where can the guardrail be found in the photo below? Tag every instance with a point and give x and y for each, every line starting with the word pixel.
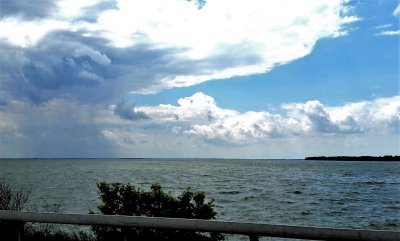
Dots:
pixel 253 230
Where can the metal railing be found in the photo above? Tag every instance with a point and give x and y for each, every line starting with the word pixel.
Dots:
pixel 253 230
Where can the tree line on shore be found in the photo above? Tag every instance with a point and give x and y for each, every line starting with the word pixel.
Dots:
pixel 354 158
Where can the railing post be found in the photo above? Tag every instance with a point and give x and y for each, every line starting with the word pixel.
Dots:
pixel 12 230
pixel 19 229
pixel 18 232
pixel 253 238
pixel 124 234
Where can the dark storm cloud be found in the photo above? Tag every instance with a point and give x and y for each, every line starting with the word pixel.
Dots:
pixel 32 10
pixel 57 128
pixel 62 64
pixel 27 9
pixel 88 69
pixel 127 111
pixel 3 102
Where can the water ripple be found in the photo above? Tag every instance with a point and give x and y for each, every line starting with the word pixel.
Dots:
pixel 337 194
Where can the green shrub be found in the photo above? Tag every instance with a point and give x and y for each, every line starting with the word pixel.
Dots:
pixel 126 199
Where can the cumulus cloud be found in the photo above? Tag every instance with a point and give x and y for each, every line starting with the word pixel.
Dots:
pixel 200 116
pixel 199 107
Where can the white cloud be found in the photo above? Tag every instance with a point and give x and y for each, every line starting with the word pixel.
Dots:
pixel 270 33
pixel 219 22
pixel 379 115
pixel 383 26
pixel 71 9
pixel 28 33
pixel 199 108
pixel 388 33
pixel 396 12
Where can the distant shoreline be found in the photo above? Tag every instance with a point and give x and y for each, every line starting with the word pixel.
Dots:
pixel 353 158
pixel 313 158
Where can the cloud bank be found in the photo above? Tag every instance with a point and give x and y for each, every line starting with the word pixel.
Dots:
pixel 196 126
pixel 200 116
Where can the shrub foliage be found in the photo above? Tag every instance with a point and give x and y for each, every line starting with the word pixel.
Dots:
pixel 12 197
pixel 126 199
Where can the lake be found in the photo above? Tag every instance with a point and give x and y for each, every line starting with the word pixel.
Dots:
pixel 296 192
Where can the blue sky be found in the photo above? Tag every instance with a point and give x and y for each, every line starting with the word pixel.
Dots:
pixel 243 79
pixel 358 66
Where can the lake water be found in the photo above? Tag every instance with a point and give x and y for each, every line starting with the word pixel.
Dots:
pixel 295 192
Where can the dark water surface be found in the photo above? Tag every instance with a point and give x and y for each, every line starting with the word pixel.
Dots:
pixel 298 192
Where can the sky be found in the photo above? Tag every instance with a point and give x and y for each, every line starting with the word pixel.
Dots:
pixel 199 79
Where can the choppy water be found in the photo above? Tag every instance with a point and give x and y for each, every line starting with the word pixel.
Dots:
pixel 314 193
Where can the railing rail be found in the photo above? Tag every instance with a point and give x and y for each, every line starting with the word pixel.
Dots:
pixel 253 230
